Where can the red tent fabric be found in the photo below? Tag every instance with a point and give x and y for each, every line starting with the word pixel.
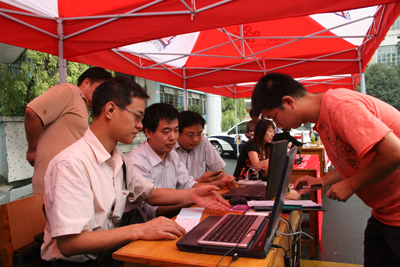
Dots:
pixel 312 85
pixel 316 45
pixel 89 26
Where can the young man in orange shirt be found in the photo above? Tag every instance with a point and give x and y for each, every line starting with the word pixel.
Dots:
pixel 361 136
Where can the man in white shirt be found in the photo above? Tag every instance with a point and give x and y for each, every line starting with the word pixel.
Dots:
pixel 195 151
pixel 86 191
pixel 159 164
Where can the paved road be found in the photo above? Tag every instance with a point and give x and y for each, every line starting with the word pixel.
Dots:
pixel 343 227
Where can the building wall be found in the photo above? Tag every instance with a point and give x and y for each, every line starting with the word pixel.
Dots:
pixel 387 52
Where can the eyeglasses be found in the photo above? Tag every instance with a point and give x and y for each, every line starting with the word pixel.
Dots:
pixel 139 116
pixel 192 136
pixel 274 118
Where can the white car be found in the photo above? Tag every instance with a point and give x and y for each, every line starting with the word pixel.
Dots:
pixel 226 142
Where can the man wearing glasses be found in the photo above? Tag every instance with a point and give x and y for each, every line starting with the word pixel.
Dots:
pixel 159 164
pixel 86 186
pixel 195 151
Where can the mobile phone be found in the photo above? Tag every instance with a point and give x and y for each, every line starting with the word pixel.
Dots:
pixel 218 173
pixel 314 186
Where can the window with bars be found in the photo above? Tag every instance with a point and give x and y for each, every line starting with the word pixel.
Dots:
pixel 174 96
pixel 388 55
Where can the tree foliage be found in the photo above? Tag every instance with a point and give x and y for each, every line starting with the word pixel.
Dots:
pixel 194 108
pixel 383 82
pixel 228 112
pixel 30 76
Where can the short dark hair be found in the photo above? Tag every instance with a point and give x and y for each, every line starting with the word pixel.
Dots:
pixel 271 88
pixel 188 118
pixel 253 113
pixel 119 90
pixel 155 113
pixel 94 74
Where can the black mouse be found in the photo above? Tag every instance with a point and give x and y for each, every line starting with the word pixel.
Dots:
pixel 237 200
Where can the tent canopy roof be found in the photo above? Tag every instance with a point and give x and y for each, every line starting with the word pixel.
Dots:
pixel 318 45
pixel 95 25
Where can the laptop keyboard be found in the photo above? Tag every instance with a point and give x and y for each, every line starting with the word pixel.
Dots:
pixel 248 191
pixel 232 229
pixel 255 191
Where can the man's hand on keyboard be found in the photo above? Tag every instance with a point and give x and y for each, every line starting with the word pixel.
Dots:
pixel 158 228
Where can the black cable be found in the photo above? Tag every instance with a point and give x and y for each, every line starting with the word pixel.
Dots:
pixel 286 258
pixel 235 255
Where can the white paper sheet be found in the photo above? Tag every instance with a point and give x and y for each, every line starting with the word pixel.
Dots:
pixel 188 218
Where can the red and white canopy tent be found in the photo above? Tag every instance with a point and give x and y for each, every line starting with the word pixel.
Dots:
pixel 317 84
pixel 71 28
pixel 317 45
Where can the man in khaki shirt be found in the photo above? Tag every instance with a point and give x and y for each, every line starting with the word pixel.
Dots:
pixel 57 119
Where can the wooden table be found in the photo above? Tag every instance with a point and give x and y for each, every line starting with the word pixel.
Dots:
pixel 165 253
pixel 310 167
pixel 315 150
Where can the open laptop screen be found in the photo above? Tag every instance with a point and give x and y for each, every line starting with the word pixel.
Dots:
pixel 275 167
pixel 281 194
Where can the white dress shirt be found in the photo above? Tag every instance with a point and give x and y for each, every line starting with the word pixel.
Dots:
pixel 169 174
pixel 201 159
pixel 85 191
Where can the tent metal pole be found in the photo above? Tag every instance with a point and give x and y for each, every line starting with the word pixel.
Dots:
pixel 185 92
pixel 362 75
pixel 362 80
pixel 237 135
pixel 61 61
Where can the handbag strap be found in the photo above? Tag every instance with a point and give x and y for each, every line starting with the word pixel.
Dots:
pixel 124 173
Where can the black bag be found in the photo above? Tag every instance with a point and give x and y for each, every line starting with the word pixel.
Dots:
pixel 133 216
pixel 105 259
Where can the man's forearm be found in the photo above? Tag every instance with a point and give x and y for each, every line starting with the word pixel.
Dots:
pixel 384 164
pixel 167 196
pixel 331 178
pixel 94 242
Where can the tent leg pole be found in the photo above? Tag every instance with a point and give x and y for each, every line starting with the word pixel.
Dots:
pixel 61 61
pixel 362 80
pixel 236 122
pixel 362 74
pixel 185 92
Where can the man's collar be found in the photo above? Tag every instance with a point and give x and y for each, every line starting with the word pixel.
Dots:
pixel 98 149
pixel 153 157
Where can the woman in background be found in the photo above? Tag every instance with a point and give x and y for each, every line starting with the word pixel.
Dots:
pixel 255 152
pixel 251 125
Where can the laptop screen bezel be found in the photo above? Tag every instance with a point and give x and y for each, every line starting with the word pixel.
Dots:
pixel 277 154
pixel 273 223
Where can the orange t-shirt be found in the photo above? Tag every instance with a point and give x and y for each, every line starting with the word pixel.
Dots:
pixel 349 125
pixel 64 113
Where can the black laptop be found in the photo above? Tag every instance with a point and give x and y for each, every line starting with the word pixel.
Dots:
pixel 221 235
pixel 256 192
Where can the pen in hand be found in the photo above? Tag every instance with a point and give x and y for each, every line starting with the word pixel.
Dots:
pixel 314 186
